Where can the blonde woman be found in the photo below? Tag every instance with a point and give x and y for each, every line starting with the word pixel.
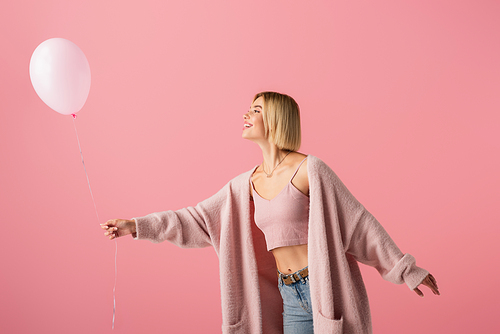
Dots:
pixel 288 234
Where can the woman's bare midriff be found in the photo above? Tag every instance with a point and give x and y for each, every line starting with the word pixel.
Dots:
pixel 290 259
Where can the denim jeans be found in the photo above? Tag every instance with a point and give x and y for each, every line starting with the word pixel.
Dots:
pixel 297 307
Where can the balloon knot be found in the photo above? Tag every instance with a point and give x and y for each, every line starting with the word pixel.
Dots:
pixel 74 116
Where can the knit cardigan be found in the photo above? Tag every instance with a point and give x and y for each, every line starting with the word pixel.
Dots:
pixel 341 233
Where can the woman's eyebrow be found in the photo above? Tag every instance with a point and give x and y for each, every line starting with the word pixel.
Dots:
pixel 257 106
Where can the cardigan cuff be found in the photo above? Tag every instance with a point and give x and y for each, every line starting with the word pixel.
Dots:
pixel 406 271
pixel 144 230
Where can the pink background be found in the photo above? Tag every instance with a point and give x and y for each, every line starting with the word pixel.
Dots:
pixel 400 98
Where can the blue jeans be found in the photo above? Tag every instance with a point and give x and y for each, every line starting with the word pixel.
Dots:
pixel 297 307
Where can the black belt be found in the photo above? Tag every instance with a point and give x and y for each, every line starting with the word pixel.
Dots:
pixel 292 278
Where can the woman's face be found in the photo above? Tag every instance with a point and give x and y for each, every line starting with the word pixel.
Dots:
pixel 253 128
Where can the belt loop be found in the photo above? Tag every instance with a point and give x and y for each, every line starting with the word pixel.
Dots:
pixel 304 274
pixel 302 279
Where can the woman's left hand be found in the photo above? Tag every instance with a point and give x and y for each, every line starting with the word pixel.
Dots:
pixel 430 282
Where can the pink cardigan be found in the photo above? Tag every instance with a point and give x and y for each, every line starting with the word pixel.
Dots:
pixel 341 232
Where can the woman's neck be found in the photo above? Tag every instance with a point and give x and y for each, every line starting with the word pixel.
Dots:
pixel 272 156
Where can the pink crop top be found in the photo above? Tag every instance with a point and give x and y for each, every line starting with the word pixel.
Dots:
pixel 283 219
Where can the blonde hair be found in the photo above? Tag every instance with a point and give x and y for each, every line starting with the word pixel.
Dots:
pixel 281 120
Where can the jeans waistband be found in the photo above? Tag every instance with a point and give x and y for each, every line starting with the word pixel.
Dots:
pixel 297 276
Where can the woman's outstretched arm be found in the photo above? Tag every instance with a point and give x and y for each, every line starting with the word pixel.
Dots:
pixel 190 227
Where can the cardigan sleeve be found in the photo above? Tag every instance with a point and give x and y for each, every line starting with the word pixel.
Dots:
pixel 190 227
pixel 369 243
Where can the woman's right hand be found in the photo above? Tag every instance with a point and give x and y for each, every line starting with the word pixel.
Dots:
pixel 118 228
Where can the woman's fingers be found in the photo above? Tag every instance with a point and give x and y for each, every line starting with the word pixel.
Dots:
pixel 431 283
pixel 112 233
pixel 111 230
pixel 433 280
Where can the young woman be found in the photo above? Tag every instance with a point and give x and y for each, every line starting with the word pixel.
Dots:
pixel 289 222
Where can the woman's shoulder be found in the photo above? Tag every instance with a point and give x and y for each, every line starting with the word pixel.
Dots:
pixel 311 160
pixel 297 158
pixel 307 162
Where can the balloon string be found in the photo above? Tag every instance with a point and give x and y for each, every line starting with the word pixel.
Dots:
pixel 114 288
pixel 85 169
pixel 99 220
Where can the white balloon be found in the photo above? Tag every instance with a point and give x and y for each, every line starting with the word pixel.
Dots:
pixel 60 74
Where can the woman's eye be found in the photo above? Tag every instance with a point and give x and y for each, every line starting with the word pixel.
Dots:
pixel 256 111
